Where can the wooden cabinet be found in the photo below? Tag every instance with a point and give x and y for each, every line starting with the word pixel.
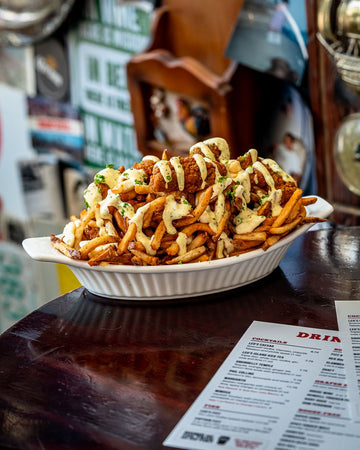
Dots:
pixel 185 62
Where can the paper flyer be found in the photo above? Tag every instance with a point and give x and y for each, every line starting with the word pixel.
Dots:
pixel 348 315
pixel 281 387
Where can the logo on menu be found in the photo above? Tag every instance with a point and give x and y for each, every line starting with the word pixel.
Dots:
pixel 222 440
pixel 200 437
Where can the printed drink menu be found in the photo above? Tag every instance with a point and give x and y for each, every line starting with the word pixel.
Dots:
pixel 348 316
pixel 281 387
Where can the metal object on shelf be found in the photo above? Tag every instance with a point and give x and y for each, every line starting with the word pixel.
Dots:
pixel 339 33
pixel 23 22
pixel 347 152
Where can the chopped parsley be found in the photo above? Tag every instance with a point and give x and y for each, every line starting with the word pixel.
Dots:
pixel 263 199
pixel 99 178
pixel 109 166
pixel 123 209
pixel 231 193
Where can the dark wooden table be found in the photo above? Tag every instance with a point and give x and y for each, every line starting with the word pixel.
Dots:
pixel 83 372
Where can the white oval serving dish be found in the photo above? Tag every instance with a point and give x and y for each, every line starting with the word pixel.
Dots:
pixel 175 281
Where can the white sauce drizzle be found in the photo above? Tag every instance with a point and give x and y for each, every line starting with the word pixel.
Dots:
pixel 69 234
pixel 200 161
pixel 92 195
pixel 222 145
pixel 205 150
pixel 247 220
pixel 165 170
pixel 175 162
pixel 140 235
pixel 265 173
pixel 274 166
pixel 130 177
pixel 174 210
pixel 254 154
pixel 181 240
pixel 153 158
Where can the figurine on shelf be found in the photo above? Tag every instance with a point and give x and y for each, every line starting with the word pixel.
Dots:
pixel 195 120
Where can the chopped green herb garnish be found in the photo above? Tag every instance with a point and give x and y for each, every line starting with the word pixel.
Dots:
pixel 109 166
pixel 231 193
pixel 99 178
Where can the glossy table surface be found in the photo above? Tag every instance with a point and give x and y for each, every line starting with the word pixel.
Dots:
pixel 82 372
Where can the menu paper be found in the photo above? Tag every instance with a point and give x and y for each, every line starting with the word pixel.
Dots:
pixel 281 387
pixel 348 315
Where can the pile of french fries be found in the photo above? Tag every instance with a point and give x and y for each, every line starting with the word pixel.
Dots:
pixel 156 240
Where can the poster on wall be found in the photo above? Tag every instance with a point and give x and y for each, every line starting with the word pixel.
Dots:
pixel 271 36
pixel 100 46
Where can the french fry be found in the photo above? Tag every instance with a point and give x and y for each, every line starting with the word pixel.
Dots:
pixel 198 240
pixel 285 228
pixel 65 249
pixel 308 200
pixel 219 250
pixel 143 189
pixel 189 256
pixel 120 220
pixel 204 257
pixel 265 209
pixel 271 240
pixel 173 249
pixel 91 245
pixel 109 256
pixel 158 235
pixel 148 259
pixel 241 245
pixel 191 229
pixel 223 221
pixel 127 238
pixel 79 230
pixel 88 215
pixel 155 205
pixel 310 219
pixel 253 236
pixel 287 208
